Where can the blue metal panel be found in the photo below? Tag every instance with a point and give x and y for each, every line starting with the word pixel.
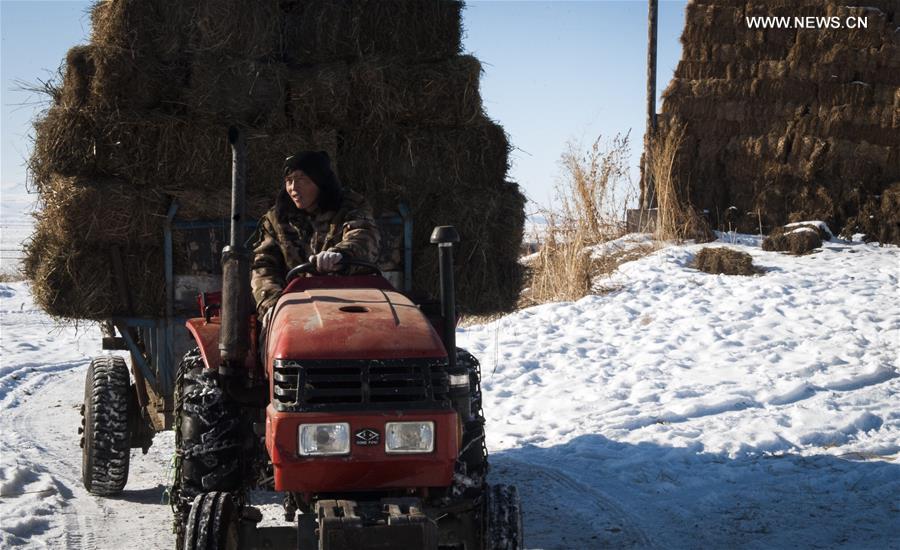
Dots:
pixel 213 224
pixel 407 245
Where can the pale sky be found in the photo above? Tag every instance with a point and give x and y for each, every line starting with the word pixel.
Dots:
pixel 554 71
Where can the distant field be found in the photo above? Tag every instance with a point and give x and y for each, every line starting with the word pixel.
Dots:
pixel 15 227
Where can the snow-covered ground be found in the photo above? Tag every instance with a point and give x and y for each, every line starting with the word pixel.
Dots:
pixel 683 410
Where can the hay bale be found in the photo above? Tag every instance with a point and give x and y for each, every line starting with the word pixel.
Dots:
pixel 150 149
pixel 487 272
pixel 73 281
pixel 237 27
pixel 318 31
pixel 64 143
pixel 100 212
pixel 141 124
pixel 721 260
pixel 425 94
pixel 238 90
pixel 442 174
pixel 157 28
pixel 391 162
pixel 878 217
pixel 821 105
pixel 132 80
pixel 319 96
pixel 78 74
pixel 797 238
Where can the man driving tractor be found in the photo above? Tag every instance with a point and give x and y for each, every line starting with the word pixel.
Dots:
pixel 314 219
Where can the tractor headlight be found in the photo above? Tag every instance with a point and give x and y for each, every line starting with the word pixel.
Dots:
pixel 324 439
pixel 409 437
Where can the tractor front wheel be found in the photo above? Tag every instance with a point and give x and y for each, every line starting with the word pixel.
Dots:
pixel 105 442
pixel 207 439
pixel 503 516
pixel 212 523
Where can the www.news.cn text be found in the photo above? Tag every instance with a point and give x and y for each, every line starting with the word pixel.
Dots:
pixel 807 22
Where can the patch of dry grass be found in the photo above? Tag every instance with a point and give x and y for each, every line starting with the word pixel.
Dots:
pixel 595 182
pixel 11 277
pixel 676 218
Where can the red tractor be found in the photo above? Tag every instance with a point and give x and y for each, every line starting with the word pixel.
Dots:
pixel 353 401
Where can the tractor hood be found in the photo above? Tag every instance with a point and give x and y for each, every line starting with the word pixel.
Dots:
pixel 350 323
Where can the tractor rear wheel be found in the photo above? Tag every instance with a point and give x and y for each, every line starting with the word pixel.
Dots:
pixel 212 523
pixel 207 438
pixel 106 439
pixel 503 518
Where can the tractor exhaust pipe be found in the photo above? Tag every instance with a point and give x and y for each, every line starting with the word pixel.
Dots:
pixel 234 337
pixel 444 236
pixel 460 390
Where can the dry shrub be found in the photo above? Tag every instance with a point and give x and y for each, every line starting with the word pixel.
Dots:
pixel 725 261
pixel 562 269
pixel 676 218
pixel 797 239
pixel 593 184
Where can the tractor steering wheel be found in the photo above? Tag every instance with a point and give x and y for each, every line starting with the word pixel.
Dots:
pixel 345 262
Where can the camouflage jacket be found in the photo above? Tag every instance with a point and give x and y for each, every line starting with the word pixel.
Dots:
pixel 289 240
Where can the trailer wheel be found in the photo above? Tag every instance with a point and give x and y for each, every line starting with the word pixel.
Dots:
pixel 207 438
pixel 212 523
pixel 503 516
pixel 106 440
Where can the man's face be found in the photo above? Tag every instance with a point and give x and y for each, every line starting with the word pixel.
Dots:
pixel 302 190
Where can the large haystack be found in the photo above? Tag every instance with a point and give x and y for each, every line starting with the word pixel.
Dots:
pixel 790 124
pixel 140 121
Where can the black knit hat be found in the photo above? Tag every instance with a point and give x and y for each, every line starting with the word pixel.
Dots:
pixel 317 165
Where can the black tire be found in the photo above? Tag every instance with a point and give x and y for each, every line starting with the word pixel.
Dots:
pixel 212 523
pixel 207 438
pixel 503 519
pixel 473 452
pixel 106 440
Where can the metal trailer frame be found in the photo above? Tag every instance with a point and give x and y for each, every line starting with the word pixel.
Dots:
pixel 156 359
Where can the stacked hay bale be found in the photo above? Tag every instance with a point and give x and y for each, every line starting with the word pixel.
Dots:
pixel 788 124
pixel 140 121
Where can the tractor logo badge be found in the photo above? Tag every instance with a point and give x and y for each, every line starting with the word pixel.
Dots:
pixel 367 437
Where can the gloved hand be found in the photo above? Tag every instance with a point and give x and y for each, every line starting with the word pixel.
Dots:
pixel 326 261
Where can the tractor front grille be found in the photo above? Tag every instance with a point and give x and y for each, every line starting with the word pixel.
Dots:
pixel 301 386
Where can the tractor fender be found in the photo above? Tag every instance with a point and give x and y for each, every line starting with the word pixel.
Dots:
pixel 206 335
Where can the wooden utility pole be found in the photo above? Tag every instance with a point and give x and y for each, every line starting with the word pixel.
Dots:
pixel 647 199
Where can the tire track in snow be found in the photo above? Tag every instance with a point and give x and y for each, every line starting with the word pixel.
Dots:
pixel 47 437
pixel 562 513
